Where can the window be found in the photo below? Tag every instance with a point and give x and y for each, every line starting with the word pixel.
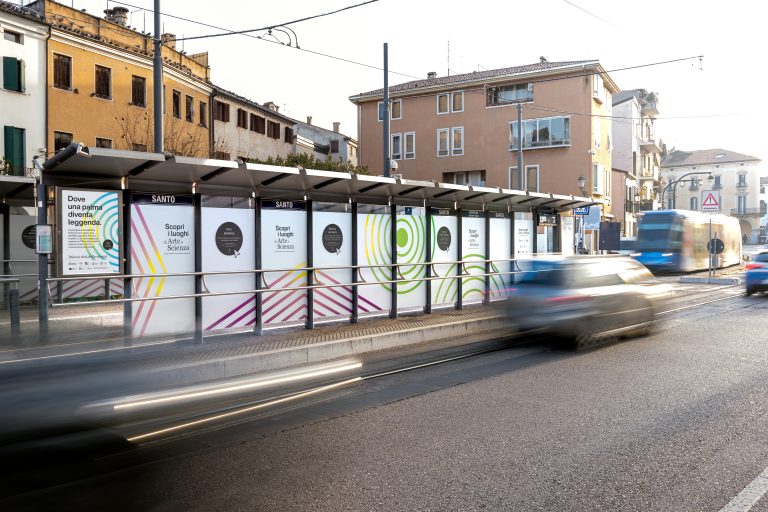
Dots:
pixel 473 178
pixel 242 118
pixel 597 132
pixel 597 87
pixel 410 145
pixel 530 179
pixel 273 129
pixel 742 180
pixel 334 146
pixel 397 146
pixel 442 103
pixel 258 124
pixel 542 133
pixel 61 140
pixel 597 181
pixel 395 109
pixel 189 105
pixel 13 74
pixel 694 203
pixel 717 183
pixel 741 204
pixel 62 72
pixel 176 104
pixel 13 37
pixel 103 82
pixel 103 143
pixel 203 114
pixel 457 141
pixel 509 94
pixel 222 112
pixel 14 149
pixel 289 138
pixel 442 142
pixel 457 104
pixel 139 91
pixel 139 147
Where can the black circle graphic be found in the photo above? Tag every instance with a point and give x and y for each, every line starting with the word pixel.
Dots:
pixel 333 238
pixel 108 244
pixel 229 239
pixel 443 238
pixel 28 236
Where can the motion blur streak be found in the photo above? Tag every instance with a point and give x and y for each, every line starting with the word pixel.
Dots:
pixel 247 409
pixel 205 391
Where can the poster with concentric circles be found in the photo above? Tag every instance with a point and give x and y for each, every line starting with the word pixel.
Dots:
pixel 410 238
pixel 472 255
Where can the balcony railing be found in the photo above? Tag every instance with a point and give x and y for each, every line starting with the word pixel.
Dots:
pixel 736 212
pixel 742 184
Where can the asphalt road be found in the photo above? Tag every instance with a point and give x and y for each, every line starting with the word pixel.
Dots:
pixel 673 421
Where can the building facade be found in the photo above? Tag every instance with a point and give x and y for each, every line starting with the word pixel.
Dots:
pixel 100 85
pixel 325 144
pixel 716 181
pixel 23 34
pixel 247 130
pixel 463 128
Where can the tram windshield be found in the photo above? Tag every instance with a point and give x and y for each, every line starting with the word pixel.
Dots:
pixel 660 233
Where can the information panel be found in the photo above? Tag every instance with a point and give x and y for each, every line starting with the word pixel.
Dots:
pixel 501 237
pixel 162 242
pixel 473 250
pixel 444 249
pixel 523 235
pixel 90 228
pixel 332 241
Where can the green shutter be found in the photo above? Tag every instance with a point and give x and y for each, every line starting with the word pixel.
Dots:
pixel 11 74
pixel 14 149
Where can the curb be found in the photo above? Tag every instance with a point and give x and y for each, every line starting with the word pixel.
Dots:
pixel 711 280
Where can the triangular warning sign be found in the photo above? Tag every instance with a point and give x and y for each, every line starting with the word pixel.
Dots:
pixel 710 200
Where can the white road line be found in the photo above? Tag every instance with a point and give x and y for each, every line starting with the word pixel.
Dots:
pixel 751 494
pixel 87 352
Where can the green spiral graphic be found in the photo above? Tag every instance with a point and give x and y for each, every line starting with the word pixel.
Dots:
pixel 410 249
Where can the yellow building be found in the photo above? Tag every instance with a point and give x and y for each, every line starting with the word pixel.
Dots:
pixel 100 85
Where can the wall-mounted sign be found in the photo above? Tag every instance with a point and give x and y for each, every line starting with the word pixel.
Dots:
pixel 547 219
pixel 43 238
pixel 584 210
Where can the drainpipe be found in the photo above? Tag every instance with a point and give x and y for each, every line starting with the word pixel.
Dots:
pixel 211 135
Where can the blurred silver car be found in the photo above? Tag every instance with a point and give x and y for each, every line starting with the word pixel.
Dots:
pixel 585 298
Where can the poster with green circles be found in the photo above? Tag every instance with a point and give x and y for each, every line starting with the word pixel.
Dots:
pixel 411 249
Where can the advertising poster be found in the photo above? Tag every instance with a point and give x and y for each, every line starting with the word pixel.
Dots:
pixel 89 232
pixel 501 238
pixel 24 259
pixel 523 236
pixel 162 231
pixel 473 250
pixel 444 249
pixel 228 237
pixel 332 240
pixel 411 248
pixel 567 234
pixel 373 248
pixel 284 248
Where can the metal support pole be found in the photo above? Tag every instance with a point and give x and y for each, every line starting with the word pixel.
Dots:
pixel 385 113
pixel 393 248
pixel 157 83
pixel 535 234
pixel 13 308
pixel 197 202
pixel 5 211
pixel 355 292
pixel 127 269
pixel 42 265
pixel 520 146
pixel 310 322
pixel 488 266
pixel 557 241
pixel 258 317
pixel 459 266
pixel 428 259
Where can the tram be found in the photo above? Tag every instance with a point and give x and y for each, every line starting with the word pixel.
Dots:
pixel 676 240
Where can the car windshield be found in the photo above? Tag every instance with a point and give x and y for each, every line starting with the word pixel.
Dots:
pixel 660 233
pixel 762 257
pixel 542 273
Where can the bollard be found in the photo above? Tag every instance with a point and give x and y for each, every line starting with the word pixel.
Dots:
pixel 15 313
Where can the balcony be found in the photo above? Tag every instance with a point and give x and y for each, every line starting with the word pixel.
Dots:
pixel 650 146
pixel 650 109
pixel 646 205
pixel 746 212
pixel 742 184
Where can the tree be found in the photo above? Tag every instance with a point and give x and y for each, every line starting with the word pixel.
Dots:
pixel 136 131
pixel 311 162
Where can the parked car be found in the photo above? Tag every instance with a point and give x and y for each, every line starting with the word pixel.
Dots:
pixel 585 298
pixel 756 277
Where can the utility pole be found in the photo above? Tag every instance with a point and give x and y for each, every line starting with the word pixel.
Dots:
pixel 385 111
pixel 157 82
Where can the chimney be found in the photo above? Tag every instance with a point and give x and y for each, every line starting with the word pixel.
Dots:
pixel 542 60
pixel 169 40
pixel 109 15
pixel 431 75
pixel 120 15
pixel 336 126
pixel 309 119
pixel 272 106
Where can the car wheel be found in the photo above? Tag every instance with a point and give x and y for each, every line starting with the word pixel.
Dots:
pixel 587 336
pixel 750 291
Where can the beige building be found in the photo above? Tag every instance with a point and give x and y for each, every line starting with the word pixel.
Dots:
pixel 463 128
pixel 717 181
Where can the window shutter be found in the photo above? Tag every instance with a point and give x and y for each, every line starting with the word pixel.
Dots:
pixel 11 74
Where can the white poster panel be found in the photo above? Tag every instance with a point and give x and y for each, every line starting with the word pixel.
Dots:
pixel 332 241
pixel 284 249
pixel 23 256
pixel 410 237
pixel 89 232
pixel 373 249
pixel 228 237
pixel 523 237
pixel 567 235
pixel 473 250
pixel 501 238
pixel 542 239
pixel 444 249
pixel 162 242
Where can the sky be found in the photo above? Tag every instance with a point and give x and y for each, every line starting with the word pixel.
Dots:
pixel 712 102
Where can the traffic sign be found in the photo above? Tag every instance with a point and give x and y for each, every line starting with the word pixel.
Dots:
pixel 715 246
pixel 710 201
pixel 584 210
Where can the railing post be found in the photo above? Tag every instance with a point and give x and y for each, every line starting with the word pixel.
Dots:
pixel 13 308
pixel 5 211
pixel 535 233
pixel 197 202
pixel 310 323
pixel 258 319
pixel 459 260
pixel 127 269
pixel 428 259
pixel 393 248
pixel 355 292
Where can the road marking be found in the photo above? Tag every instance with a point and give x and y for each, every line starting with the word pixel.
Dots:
pixel 87 352
pixel 751 494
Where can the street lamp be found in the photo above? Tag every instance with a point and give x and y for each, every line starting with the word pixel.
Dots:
pixel 581 181
pixel 674 182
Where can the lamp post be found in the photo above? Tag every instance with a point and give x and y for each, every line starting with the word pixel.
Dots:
pixel 674 182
